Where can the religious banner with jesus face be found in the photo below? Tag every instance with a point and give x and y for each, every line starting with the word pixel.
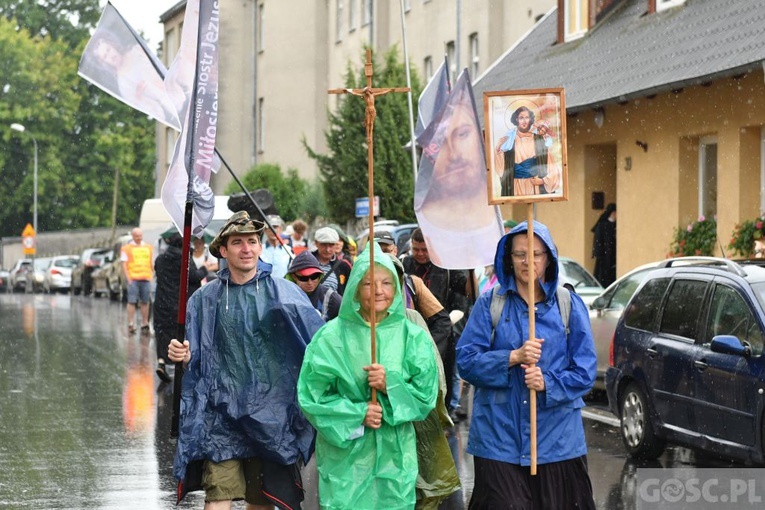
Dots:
pixel 526 146
pixel 460 228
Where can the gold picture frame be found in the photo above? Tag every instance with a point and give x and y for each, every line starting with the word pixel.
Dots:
pixel 526 146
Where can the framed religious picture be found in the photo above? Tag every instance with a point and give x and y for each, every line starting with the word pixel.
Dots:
pixel 526 145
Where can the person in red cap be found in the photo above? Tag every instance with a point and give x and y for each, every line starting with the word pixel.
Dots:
pixel 306 272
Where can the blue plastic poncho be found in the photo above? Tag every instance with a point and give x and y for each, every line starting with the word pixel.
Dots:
pixel 239 390
pixel 500 426
pixel 361 468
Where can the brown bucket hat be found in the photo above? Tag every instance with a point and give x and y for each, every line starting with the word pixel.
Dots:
pixel 238 223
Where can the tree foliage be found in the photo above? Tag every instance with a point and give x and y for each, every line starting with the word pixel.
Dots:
pixel 343 170
pixel 63 20
pixel 83 135
pixel 293 197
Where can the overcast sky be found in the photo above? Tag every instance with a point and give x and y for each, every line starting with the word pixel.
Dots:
pixel 143 15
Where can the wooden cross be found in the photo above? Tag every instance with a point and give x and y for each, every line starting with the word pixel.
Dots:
pixel 369 93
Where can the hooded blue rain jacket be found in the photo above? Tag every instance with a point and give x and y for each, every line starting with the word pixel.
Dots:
pixel 239 396
pixel 500 427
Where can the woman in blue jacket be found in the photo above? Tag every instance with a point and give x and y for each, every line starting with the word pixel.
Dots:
pixel 499 365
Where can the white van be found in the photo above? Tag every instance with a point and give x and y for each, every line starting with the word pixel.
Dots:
pixel 154 219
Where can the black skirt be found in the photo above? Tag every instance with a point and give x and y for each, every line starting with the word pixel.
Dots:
pixel 561 485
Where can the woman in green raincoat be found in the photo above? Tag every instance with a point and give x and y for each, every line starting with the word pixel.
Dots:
pixel 367 454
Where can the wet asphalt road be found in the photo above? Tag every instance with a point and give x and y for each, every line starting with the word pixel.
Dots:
pixel 84 422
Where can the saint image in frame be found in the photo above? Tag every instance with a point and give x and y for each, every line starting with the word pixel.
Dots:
pixel 526 146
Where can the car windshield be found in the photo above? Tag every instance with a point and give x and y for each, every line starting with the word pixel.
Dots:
pixel 577 275
pixel 65 262
pixel 759 291
pixel 41 264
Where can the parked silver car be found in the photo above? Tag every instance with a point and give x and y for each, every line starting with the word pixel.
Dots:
pixel 5 280
pixel 18 274
pixel 58 275
pixel 38 277
pixel 82 274
pixel 606 310
pixel 585 284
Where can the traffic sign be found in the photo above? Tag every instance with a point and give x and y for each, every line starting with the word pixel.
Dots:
pixel 362 207
pixel 29 240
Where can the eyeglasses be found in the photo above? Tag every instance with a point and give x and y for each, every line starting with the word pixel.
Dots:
pixel 314 276
pixel 522 256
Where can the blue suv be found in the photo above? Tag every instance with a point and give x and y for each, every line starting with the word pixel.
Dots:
pixel 686 363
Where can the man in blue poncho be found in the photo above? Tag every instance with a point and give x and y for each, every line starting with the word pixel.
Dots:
pixel 242 434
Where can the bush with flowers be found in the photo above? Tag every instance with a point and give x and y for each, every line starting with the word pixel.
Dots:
pixel 746 234
pixel 698 238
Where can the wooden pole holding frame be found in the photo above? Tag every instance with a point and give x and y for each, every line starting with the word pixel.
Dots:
pixel 532 331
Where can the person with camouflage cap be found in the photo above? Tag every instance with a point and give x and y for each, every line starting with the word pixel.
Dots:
pixel 241 433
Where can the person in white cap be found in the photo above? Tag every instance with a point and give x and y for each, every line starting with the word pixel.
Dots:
pixel 275 250
pixel 336 270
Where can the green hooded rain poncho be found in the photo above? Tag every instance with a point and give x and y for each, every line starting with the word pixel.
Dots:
pixel 359 467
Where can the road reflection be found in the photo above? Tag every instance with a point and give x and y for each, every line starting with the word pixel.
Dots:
pixel 85 423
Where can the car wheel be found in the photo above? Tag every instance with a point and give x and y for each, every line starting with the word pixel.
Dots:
pixel 113 295
pixel 636 428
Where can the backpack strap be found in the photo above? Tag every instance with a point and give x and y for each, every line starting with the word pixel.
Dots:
pixel 564 305
pixel 498 304
pixel 325 303
pixel 332 269
pixel 411 294
pixel 495 309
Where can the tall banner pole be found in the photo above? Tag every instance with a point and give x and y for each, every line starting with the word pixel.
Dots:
pixel 409 94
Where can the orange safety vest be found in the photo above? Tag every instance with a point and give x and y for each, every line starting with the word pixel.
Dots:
pixel 139 261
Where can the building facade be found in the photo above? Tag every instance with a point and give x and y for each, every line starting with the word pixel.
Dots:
pixel 665 117
pixel 278 59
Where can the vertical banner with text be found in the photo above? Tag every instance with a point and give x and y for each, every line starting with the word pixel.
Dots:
pixel 192 83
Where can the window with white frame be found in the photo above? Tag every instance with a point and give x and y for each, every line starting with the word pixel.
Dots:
pixel 428 68
pixel 339 21
pixel 451 57
pixel 575 19
pixel 353 18
pixel 171 46
pixel 667 4
pixel 474 55
pixel 367 13
pixel 261 25
pixel 708 176
pixel 261 135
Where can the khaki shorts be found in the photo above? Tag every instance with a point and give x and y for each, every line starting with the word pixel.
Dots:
pixel 234 479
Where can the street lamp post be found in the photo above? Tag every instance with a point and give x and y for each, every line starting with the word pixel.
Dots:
pixel 20 128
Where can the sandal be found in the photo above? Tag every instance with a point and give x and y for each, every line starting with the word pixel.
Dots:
pixel 131 328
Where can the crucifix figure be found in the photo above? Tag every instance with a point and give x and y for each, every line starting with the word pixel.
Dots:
pixel 369 93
